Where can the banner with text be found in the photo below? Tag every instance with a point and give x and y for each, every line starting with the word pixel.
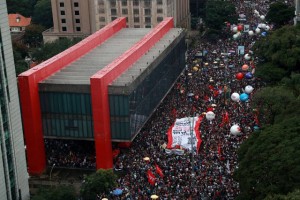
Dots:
pixel 185 133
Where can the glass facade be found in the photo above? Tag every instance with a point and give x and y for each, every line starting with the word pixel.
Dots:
pixel 129 113
pixel 5 136
pixel 67 115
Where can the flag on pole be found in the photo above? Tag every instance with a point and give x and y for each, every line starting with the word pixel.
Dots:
pixel 151 177
pixel 159 171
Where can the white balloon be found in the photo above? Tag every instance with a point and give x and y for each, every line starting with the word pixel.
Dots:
pixel 210 115
pixel 262 17
pixel 257 30
pixel 235 36
pixel 235 97
pixel 251 33
pixel 263 26
pixel 267 28
pixel 259 25
pixel 247 57
pixel 235 130
pixel 235 29
pixel 249 89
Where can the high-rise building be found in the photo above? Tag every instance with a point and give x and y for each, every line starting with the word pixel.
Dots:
pixel 297 11
pixel 80 18
pixel 13 170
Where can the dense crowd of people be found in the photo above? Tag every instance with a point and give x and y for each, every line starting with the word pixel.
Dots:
pixel 210 75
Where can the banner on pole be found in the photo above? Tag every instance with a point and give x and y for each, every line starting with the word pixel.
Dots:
pixel 185 134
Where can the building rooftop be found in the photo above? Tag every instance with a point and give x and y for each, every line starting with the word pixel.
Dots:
pixel 17 20
pixel 76 76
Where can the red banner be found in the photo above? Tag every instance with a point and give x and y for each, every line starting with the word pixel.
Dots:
pixel 151 177
pixel 159 171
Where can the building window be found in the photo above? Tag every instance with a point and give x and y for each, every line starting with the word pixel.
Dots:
pixel 159 2
pixel 64 28
pixel 125 11
pixel 159 11
pixel 76 12
pixel 136 26
pixel 136 11
pixel 61 4
pixel 136 19
pixel 101 10
pixel 148 26
pixel 113 18
pixel 63 21
pixel 76 4
pixel 147 20
pixel 77 21
pixel 147 3
pixel 100 2
pixel 159 19
pixel 124 2
pixel 62 12
pixel 102 19
pixel 113 11
pixel 113 3
pixel 135 2
pixel 147 11
pixel 78 28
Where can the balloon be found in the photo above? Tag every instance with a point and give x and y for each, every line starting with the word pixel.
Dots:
pixel 256 128
pixel 240 27
pixel 235 29
pixel 245 67
pixel 249 89
pixel 264 34
pixel 267 28
pixel 247 57
pixel 235 36
pixel 257 30
pixel 244 97
pixel 249 75
pixel 263 26
pixel 239 76
pixel 235 130
pixel 251 33
pixel 262 17
pixel 235 97
pixel 210 115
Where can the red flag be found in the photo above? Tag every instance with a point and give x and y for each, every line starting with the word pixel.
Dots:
pixel 151 177
pixel 225 119
pixel 219 150
pixel 159 171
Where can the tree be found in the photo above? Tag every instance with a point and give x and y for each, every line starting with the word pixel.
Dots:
pixel 280 14
pixel 33 35
pixel 272 101
pixel 290 196
pixel 49 50
pixel 269 161
pixel 57 193
pixel 43 13
pixel 279 53
pixel 23 7
pixel 101 182
pixel 219 12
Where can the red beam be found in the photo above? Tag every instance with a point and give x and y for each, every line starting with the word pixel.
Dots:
pixel 29 94
pixel 99 91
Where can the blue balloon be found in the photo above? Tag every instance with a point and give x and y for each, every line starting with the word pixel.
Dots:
pixel 249 75
pixel 244 97
pixel 256 128
pixel 264 33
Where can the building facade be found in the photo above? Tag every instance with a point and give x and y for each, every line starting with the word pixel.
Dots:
pixel 13 170
pixel 80 18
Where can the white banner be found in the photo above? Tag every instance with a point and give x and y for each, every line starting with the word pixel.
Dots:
pixel 185 133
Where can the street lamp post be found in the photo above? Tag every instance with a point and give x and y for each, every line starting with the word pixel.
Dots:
pixel 51 172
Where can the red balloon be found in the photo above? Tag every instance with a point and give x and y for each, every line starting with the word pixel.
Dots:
pixel 245 67
pixel 239 76
pixel 240 27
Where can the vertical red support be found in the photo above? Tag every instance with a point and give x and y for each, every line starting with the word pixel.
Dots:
pixel 29 94
pixel 99 91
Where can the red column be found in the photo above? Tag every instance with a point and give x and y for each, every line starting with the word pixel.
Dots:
pixel 99 91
